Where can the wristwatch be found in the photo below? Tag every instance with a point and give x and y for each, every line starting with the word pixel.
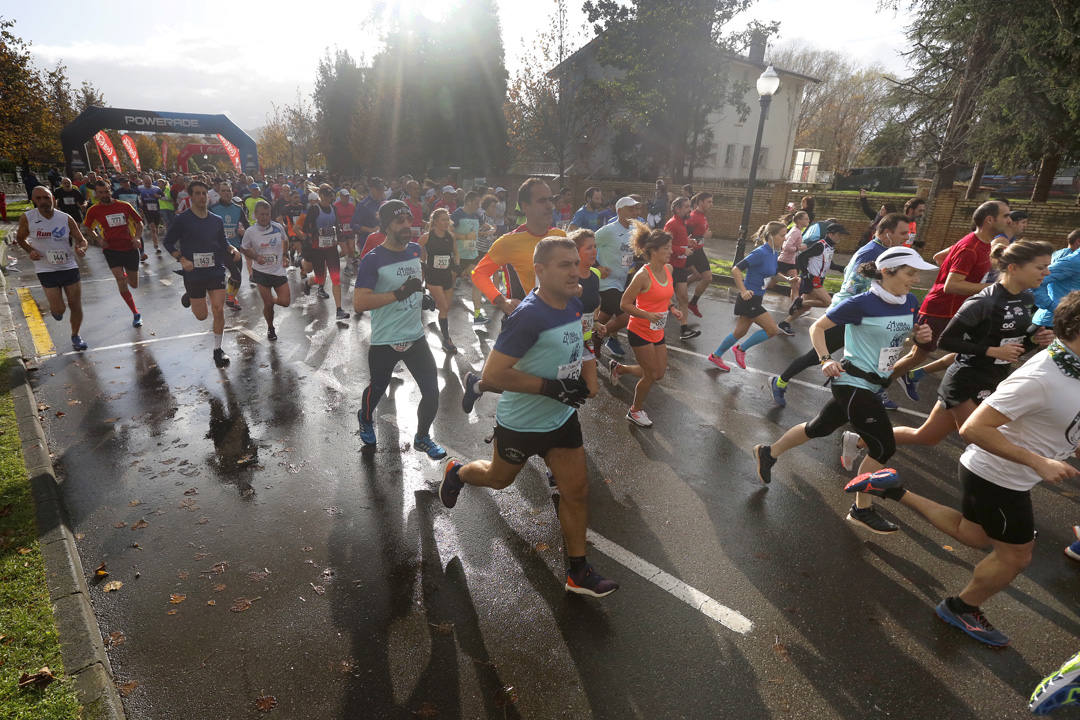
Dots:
pixel 824 359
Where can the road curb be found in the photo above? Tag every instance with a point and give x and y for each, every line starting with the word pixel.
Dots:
pixel 81 646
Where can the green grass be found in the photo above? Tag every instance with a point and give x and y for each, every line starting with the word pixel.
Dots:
pixel 832 282
pixel 26 620
pixel 15 210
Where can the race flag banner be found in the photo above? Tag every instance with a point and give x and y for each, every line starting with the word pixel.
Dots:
pixel 164 153
pixel 133 152
pixel 105 145
pixel 232 150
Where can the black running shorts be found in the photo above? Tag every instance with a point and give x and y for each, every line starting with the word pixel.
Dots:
pixel 1005 515
pixel 516 447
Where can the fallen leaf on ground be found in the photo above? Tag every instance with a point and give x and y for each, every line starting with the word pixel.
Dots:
pixel 202 521
pixel 127 688
pixel 176 598
pixel 39 679
pixel 257 576
pixel 140 525
pixel 171 612
pixel 211 603
pixel 266 703
pixel 319 589
pixel 306 548
pixel 60 413
pixel 112 585
pixel 191 491
pixel 133 503
pixel 42 407
pixel 442 628
pixel 100 571
pixel 427 711
pixel 541 547
pixel 119 524
pixel 219 567
pixel 242 604
pixel 219 588
pixel 111 420
pixel 948 547
pixel 780 650
pixel 80 536
pixel 25 551
pixel 201 556
pixel 506 696
pixel 183 575
pixel 116 637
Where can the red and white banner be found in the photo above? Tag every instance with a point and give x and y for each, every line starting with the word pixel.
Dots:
pixel 105 145
pixel 232 151
pixel 133 152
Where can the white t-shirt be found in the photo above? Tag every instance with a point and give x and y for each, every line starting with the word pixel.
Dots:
pixel 1043 407
pixel 52 238
pixel 214 196
pixel 269 243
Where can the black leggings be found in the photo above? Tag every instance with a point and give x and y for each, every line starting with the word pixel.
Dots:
pixel 834 340
pixel 382 359
pixel 863 409
pixel 233 266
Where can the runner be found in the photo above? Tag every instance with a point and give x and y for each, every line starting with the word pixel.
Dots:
pixel 397 326
pixel 813 264
pixel 467 227
pixel 1060 688
pixel 588 215
pixel 698 226
pixel 165 204
pixel 785 262
pixel 540 366
pixel 758 266
pixel 1063 279
pixel 53 241
pixel 876 325
pixel 235 219
pixel 365 219
pixel 320 225
pixel 589 279
pixel 345 209
pixel 1019 436
pixel 680 248
pixel 499 215
pixel 440 255
pixel 197 240
pixel 988 334
pixel 647 300
pixel 615 258
pixel 890 231
pixel 118 228
pixel 149 199
pixel 70 200
pixel 266 243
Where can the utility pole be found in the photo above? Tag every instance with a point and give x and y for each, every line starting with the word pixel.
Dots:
pixel 562 86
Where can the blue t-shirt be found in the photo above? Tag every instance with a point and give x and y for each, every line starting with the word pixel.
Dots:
pixel 757 268
pixel 383 270
pixel 149 196
pixel 233 216
pixel 854 281
pixel 605 216
pixel 129 195
pixel 548 343
pixel 874 334
pixel 1064 277
pixel 200 240
pixel 366 215
pixel 588 219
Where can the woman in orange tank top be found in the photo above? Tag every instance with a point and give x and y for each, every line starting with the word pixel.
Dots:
pixel 647 300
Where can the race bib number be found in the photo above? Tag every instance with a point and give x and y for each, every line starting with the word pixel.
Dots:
pixel 440 262
pixel 268 259
pixel 116 219
pixel 295 218
pixel 1008 341
pixel 402 347
pixel 627 260
pixel 587 322
pixel 69 201
pixel 887 358
pixel 659 324
pixel 151 206
pixel 327 237
pixel 569 371
pixel 202 260
pixel 57 257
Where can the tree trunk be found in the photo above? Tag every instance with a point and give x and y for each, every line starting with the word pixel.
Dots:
pixel 976 180
pixel 1048 168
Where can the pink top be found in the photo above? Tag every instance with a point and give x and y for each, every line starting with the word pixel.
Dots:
pixel 791 246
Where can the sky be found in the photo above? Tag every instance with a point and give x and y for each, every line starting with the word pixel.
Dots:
pixel 223 57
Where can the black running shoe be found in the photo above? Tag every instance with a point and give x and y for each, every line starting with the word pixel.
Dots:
pixel 471 394
pixel 185 300
pixel 220 358
pixel 591 583
pixel 271 334
pixel 869 519
pixel 765 461
pixel 785 327
pixel 795 306
pixel 689 334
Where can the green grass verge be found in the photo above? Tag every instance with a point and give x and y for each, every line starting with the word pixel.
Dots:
pixel 15 210
pixel 28 633
pixel 832 282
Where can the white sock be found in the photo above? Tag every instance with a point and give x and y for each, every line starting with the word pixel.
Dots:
pixel 217 340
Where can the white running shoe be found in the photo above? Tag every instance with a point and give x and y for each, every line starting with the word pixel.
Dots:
pixel 639 418
pixel 849 450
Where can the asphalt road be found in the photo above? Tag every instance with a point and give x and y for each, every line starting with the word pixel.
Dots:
pixel 262 554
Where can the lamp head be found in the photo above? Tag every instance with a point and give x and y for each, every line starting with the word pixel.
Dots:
pixel 768 82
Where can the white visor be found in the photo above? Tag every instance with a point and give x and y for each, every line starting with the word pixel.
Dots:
pixel 899 256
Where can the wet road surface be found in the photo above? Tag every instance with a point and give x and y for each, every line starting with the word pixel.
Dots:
pixel 262 554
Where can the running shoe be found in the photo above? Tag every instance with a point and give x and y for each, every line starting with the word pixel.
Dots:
pixel 230 302
pixel 874 483
pixel 869 519
pixel 77 343
pixel 367 429
pixel 973 623
pixel 777 392
pixel 591 583
pixel 479 318
pixel 719 362
pixel 692 307
pixel 1058 688
pixel 434 450
pixel 795 306
pixel 157 249
pixel 639 418
pixel 765 461
pixel 911 384
pixel 342 315
pixel 185 300
pixel 689 334
pixel 451 485
pixel 58 316
pixel 785 327
pixel 307 287
pixel 849 450
pixel 143 257
pixel 252 285
pixel 271 334
pixel 1073 550
pixel 885 401
pixel 136 320
pixel 740 356
pixel 615 347
pixel 614 371
pixel 220 358
pixel 471 394
pixel 449 348
pixel 322 294
pixel 553 486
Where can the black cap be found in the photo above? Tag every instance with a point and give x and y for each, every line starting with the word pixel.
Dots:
pixel 1018 215
pixel 392 209
pixel 836 228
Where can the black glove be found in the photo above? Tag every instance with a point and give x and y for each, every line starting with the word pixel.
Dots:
pixel 427 302
pixel 408 287
pixel 572 391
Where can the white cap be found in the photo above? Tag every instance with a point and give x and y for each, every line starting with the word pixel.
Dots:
pixel 313 197
pixel 430 193
pixel 343 191
pixel 899 256
pixel 449 189
pixel 626 202
pixel 500 189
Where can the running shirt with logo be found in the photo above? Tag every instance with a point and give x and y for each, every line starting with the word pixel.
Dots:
pixel 270 244
pixel 200 240
pixel 150 197
pixel 513 254
pixel 116 222
pixel 466 231
pixel 129 195
pixel 383 270
pixel 614 252
pixel 991 317
pixel 680 240
pixel 183 201
pixel 874 334
pixel 69 201
pixel 325 227
pixel 1042 404
pixel 758 267
pixel 587 218
pixel 52 238
pixel 854 281
pixel 971 258
pixel 233 216
pixel 697 224
pixel 547 343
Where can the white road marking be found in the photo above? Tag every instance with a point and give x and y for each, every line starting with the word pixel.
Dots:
pixel 163 281
pixel 146 342
pixel 816 386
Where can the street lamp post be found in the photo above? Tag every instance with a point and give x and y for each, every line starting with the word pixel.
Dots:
pixel 767 85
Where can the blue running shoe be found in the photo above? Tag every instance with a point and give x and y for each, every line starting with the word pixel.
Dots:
pixel 911 384
pixel 1057 689
pixel 874 483
pixel 77 343
pixel 136 320
pixel 886 402
pixel 471 395
pixel 974 624
pixel 434 450
pixel 615 347
pixel 777 392
pixel 1073 551
pixel 367 429
pixel 591 583
pixel 451 485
